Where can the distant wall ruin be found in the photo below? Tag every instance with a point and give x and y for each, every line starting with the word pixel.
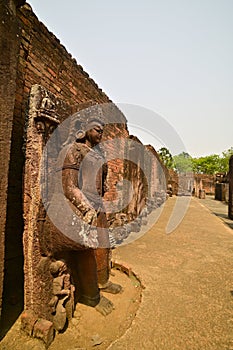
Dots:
pixel 190 183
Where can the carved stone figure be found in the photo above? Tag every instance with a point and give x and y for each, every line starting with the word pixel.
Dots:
pixel 62 302
pixel 84 247
pixel 82 223
pixel 47 104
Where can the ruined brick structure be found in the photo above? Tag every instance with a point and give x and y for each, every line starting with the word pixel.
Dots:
pixel 36 67
pixel 30 55
pixel 158 177
pixel 10 197
pixel 222 187
pixel 204 182
pixel 173 181
pixel 191 183
pixel 180 184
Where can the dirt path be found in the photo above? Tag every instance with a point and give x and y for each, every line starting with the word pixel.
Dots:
pixel 187 302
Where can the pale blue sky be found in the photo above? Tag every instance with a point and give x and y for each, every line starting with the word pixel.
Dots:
pixel 174 57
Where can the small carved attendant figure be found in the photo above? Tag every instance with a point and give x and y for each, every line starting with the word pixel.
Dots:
pixel 62 302
pixel 47 103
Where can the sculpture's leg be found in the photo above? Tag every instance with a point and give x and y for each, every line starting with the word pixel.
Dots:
pixel 59 319
pixel 102 253
pixel 103 268
pixel 87 276
pixel 88 290
pixel 102 256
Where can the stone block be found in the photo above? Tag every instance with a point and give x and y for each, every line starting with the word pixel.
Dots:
pixel 28 320
pixel 135 226
pixel 44 330
pixel 144 221
pixel 127 269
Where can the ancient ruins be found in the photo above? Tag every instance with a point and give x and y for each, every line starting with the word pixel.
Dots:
pixel 46 94
pixel 49 87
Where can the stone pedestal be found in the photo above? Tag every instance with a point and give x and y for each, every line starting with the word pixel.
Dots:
pixel 202 194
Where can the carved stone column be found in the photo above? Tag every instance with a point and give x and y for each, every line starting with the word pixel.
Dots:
pixel 42 120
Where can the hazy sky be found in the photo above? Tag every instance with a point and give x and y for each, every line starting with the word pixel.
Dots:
pixel 174 57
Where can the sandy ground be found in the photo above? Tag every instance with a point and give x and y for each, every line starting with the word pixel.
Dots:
pixel 88 328
pixel 187 303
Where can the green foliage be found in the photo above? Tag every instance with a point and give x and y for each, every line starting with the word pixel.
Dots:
pixel 166 157
pixel 224 159
pixel 206 165
pixel 212 164
pixel 183 163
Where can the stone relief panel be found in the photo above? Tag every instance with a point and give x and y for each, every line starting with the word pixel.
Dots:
pixel 45 114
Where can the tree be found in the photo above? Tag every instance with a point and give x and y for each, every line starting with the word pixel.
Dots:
pixel 213 163
pixel 183 163
pixel 206 165
pixel 224 160
pixel 166 157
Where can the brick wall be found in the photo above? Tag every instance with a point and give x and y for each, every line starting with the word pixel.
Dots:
pixel 187 183
pixel 43 60
pixel 204 182
pixel 9 48
pixel 33 55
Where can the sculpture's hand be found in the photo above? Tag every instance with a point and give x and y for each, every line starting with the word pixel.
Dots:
pixel 65 292
pixel 90 217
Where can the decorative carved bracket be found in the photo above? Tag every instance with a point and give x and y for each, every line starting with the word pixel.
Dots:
pixel 46 119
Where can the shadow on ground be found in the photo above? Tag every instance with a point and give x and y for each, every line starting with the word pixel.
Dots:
pixel 218 208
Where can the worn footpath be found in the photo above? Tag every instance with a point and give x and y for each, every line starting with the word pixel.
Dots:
pixel 187 302
pixel 188 276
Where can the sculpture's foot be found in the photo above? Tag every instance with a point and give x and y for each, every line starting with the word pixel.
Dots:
pixel 112 288
pixel 104 306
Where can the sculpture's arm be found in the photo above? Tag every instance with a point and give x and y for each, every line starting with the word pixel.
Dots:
pixel 104 182
pixel 70 175
pixel 72 191
pixel 58 289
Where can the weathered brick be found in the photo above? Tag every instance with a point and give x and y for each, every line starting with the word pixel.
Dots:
pixel 52 72
pixel 43 60
pixel 122 266
pixel 44 330
pixel 28 320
